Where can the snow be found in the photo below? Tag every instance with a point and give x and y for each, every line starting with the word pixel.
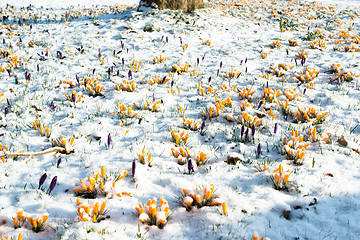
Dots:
pixel 322 198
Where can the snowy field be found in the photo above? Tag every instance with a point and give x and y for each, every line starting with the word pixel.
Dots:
pixel 241 118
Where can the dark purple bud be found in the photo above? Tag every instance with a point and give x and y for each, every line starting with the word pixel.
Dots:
pixel 198 61
pixel 304 91
pixel 114 52
pixel 78 79
pixel 130 74
pixel 242 131
pixel 8 70
pixel 94 71
pixel 190 166
pixel 238 75
pixel 52 184
pixel 275 128
pixel 287 51
pixel 133 168
pixel 296 62
pixel 153 97
pixel 245 60
pixel 260 104
pixel 99 52
pixel 123 61
pixel 140 120
pixel 42 180
pixel 203 57
pixel 163 80
pixel 220 64
pixel 202 127
pixel 109 140
pixel 3 41
pixel 258 149
pixel 52 105
pixel 118 73
pixel 30 27
pixel 253 130
pixel 38 67
pixel 58 163
pixel 246 134
pixel 241 62
pixel 85 83
pixel 133 46
pixel 246 70
pixel 181 41
pixel 267 84
pixel 172 83
pixel 209 79
pixel 6 111
pixel 127 50
pixel 218 71
pixel 8 102
pixel 73 98
pixel 167 39
pixel 162 38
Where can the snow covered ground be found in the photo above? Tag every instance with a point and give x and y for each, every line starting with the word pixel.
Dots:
pixel 222 65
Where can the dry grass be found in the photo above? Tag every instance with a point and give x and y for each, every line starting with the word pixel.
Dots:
pixel 185 5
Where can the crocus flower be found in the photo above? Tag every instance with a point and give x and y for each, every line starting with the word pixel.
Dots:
pixel 6 111
pixel 52 184
pixel 38 67
pixel 190 166
pixel 275 128
pixel 109 140
pixel 140 120
pixel 246 134
pixel 202 127
pixel 52 105
pixel 220 64
pixel 242 131
pixel 253 130
pixel 133 168
pixel 130 74
pixel 304 91
pixel 260 104
pixel 42 180
pixel 58 163
pixel 258 149
pixel 209 79
pixel 78 79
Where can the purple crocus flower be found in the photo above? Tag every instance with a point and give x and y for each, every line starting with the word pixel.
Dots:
pixel 241 62
pixel 77 79
pixel 8 70
pixel 58 163
pixel 140 120
pixel 190 166
pixel 203 57
pixel 162 37
pixel 42 180
pixel 38 67
pixel 246 60
pixel 109 140
pixel 246 134
pixel 153 97
pixel 287 51
pixel 238 75
pixel 172 83
pixel 275 128
pixel 267 84
pixel 99 52
pixel 167 39
pixel 304 91
pixel 123 61
pixel 253 130
pixel 246 70
pixel 296 62
pixel 202 127
pixel 94 71
pixel 220 64
pixel 130 74
pixel 6 111
pixel 52 184
pixel 198 61
pixel 133 168
pixel 260 104
pixel 163 80
pixel 242 131
pixel 73 98
pixel 52 105
pixel 209 79
pixel 218 71
pixel 258 150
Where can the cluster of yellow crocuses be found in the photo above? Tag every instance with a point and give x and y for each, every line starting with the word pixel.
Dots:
pixel 94 212
pixel 153 214
pixel 35 222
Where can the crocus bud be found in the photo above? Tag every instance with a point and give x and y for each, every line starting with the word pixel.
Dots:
pixel 304 91
pixel 58 163
pixel 202 127
pixel 260 104
pixel 140 120
pixel 42 180
pixel 220 64
pixel 190 166
pixel 258 149
pixel 242 131
pixel 275 128
pixel 209 79
pixel 130 74
pixel 52 184
pixel 52 105
pixel 109 140
pixel 133 168
pixel 6 111
pixel 246 134
pixel 73 98
pixel 253 130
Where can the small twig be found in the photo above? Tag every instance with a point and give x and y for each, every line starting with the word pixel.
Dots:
pixel 33 154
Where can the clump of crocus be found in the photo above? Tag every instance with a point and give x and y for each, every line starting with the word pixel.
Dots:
pixel 248 121
pixel 191 124
pixel 67 84
pixel 96 89
pixel 206 42
pixel 295 147
pixel 128 86
pixel 290 93
pixel 147 106
pixel 124 112
pixel 7 238
pixel 275 44
pixel 207 90
pixel 94 212
pixel 263 55
pixel 309 74
pixel 245 104
pixel 101 184
pixel 314 136
pixel 179 139
pixel 74 96
pixel 200 197
pixel 281 177
pixel 182 153
pixel 201 159
pixel 255 236
pixel 212 112
pixel 301 55
pixel 35 222
pixel 294 42
pixel 342 74
pixel 43 129
pixel 232 74
pixel 62 142
pixel 310 115
pixel 153 214
pixel 246 93
pixel 158 80
pixel 316 34
pixel 317 44
pixel 271 113
pixel 179 69
pixel 159 59
pixel 143 158
pixel 135 66
pixel 270 94
pixel 3 148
